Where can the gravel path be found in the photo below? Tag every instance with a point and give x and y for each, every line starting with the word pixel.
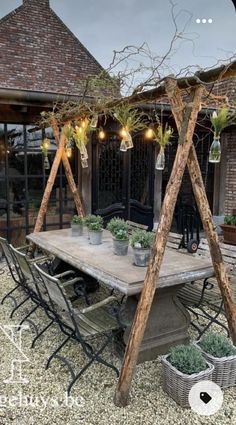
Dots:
pixel 93 394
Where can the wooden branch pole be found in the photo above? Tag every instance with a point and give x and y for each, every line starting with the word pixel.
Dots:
pixel 145 302
pixel 49 185
pixel 68 172
pixel 205 213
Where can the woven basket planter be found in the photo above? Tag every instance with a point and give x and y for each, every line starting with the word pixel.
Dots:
pixel 177 384
pixel 224 373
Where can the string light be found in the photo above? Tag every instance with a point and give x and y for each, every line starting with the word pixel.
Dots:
pixel 68 152
pixel 101 134
pixel 149 133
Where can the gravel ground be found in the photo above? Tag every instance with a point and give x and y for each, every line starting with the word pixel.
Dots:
pixel 93 394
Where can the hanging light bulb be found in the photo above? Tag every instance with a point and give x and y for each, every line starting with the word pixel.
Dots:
pixel 160 161
pixel 68 151
pixel 46 163
pixel 215 151
pixel 101 134
pixel 149 134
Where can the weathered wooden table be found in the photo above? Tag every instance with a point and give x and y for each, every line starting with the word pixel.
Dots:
pixel 169 320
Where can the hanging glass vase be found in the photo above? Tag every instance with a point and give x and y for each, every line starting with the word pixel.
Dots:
pixel 84 162
pixel 215 151
pixel 160 161
pixel 123 147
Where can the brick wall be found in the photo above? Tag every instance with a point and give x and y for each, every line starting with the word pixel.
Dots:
pixel 230 182
pixel 38 52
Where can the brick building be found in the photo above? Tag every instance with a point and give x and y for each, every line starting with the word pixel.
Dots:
pixel 42 62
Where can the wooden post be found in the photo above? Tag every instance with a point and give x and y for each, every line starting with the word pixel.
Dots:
pixel 68 172
pixel 205 213
pixel 145 302
pixel 49 185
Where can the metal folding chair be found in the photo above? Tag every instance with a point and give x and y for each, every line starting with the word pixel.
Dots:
pixel 80 325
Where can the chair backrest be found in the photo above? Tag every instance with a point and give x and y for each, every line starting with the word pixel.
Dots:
pixel 23 263
pixel 11 260
pixel 174 240
pixel 57 295
pixel 228 253
pixel 135 226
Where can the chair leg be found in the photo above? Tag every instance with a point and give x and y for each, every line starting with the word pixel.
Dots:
pixel 19 305
pixel 41 333
pixel 57 351
pixel 94 357
pixel 28 315
pixel 9 293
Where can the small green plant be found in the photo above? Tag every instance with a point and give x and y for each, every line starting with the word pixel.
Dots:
pixel 95 227
pixel 141 239
pixel 187 359
pixel 230 220
pixel 221 119
pixel 118 228
pixel 77 219
pixel 92 218
pixel 217 345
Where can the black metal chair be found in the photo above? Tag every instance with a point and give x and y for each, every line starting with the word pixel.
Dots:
pixel 80 325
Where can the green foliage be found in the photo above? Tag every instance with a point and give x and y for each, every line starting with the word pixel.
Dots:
pixel 91 218
pixel 81 134
pixel 217 345
pixel 163 134
pixel 130 119
pixel 221 119
pixel 187 359
pixel 95 226
pixel 77 219
pixel 68 131
pixel 230 220
pixel 141 239
pixel 118 228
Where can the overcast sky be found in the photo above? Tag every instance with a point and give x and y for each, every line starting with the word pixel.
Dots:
pixel 105 25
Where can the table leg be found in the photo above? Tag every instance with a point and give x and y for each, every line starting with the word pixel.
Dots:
pixel 167 324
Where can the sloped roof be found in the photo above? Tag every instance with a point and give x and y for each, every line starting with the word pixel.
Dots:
pixel 39 53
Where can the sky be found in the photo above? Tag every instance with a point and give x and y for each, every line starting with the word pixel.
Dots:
pixel 107 25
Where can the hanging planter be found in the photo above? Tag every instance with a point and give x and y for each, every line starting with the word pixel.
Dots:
pixel 81 133
pixel 219 122
pixel 162 136
pixel 68 132
pixel 130 121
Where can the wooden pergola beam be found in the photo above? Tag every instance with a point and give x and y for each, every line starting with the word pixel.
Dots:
pixel 166 217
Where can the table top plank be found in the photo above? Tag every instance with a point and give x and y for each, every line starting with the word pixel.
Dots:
pixel 115 271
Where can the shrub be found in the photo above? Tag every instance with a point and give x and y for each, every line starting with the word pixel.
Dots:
pixel 187 359
pixel 141 239
pixel 230 220
pixel 91 218
pixel 118 228
pixel 95 226
pixel 77 219
pixel 217 345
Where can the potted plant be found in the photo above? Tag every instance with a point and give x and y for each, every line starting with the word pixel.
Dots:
pixel 229 229
pixel 141 242
pixel 182 368
pixel 119 230
pixel 77 225
pixel 218 350
pixel 95 233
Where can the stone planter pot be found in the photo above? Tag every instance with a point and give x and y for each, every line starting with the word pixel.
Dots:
pixel 95 237
pixel 178 385
pixel 224 373
pixel 120 246
pixel 76 229
pixel 141 256
pixel 229 233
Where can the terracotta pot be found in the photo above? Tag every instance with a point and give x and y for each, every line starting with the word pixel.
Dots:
pixel 229 233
